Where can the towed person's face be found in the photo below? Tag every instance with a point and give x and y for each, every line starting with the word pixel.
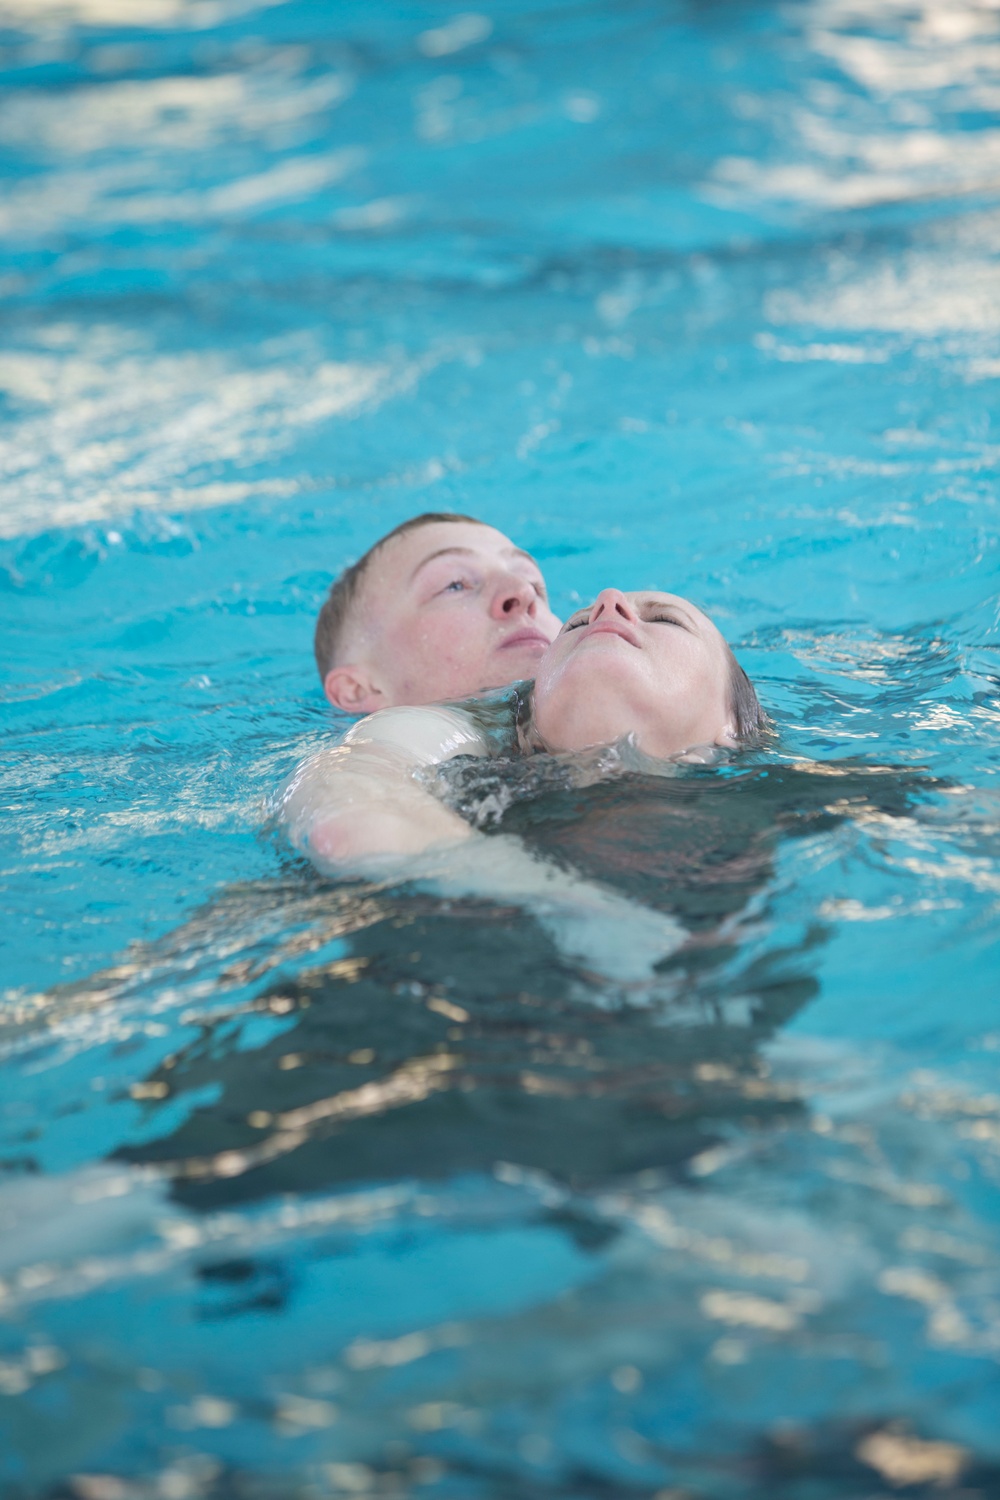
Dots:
pixel 449 610
pixel 646 664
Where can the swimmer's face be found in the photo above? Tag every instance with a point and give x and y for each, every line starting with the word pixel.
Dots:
pixel 444 611
pixel 646 664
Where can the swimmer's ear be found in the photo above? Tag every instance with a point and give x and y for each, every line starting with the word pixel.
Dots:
pixel 351 689
pixel 728 737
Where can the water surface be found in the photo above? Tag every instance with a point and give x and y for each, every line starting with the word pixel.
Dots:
pixel 314 1190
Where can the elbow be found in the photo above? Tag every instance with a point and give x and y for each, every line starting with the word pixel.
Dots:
pixel 356 841
pixel 334 842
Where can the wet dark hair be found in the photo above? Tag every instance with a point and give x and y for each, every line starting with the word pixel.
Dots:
pixel 345 589
pixel 749 719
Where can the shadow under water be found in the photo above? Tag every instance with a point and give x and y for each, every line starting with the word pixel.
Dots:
pixel 450 1035
pixel 447 1210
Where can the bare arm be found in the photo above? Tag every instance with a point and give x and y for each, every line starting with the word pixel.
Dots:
pixel 362 803
pixel 361 809
pixel 346 808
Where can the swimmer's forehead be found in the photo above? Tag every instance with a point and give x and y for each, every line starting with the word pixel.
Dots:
pixel 402 559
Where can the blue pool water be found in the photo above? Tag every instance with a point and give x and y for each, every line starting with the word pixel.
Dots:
pixel 694 295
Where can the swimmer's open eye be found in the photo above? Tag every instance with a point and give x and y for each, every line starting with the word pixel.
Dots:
pixel 457 586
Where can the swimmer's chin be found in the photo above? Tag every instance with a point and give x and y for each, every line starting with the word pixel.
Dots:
pixel 532 642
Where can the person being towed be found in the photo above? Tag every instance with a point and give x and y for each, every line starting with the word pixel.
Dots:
pixel 647 668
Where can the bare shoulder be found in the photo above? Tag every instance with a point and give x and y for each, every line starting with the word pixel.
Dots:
pixel 361 798
pixel 425 735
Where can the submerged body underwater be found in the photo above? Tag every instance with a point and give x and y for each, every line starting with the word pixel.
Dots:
pixel 316 1187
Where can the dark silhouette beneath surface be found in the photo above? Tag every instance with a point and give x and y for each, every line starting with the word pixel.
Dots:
pixel 452 1035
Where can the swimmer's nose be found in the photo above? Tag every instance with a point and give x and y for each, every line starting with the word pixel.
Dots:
pixel 514 596
pixel 613 602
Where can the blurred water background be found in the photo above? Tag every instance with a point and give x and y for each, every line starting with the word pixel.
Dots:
pixel 313 1190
